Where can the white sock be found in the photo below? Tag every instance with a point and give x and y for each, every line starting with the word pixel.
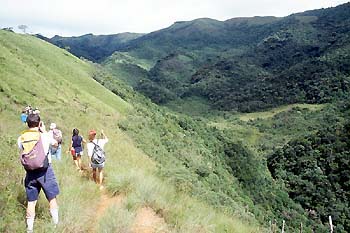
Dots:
pixel 30 223
pixel 54 215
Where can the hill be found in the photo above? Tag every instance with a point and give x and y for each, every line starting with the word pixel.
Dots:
pixel 208 174
pixel 63 87
pixel 241 64
pixel 93 47
pixel 246 64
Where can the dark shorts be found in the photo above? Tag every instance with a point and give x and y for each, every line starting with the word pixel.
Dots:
pixel 78 150
pixel 46 180
pixel 78 153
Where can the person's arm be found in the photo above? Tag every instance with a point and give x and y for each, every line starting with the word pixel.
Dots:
pixel 83 140
pixel 103 135
pixel 90 148
pixel 42 127
pixel 19 143
pixel 70 147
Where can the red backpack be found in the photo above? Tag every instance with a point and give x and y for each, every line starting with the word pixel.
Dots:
pixel 35 159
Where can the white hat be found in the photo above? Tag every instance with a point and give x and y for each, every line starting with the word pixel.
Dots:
pixel 52 126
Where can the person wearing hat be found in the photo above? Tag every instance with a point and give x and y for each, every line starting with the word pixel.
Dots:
pixel 55 147
pixel 91 147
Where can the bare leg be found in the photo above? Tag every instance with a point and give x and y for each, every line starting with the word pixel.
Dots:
pixel 100 176
pixel 79 162
pixel 30 215
pixel 94 174
pixel 76 163
pixel 54 210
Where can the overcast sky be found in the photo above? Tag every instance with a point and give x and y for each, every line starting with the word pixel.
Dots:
pixel 78 17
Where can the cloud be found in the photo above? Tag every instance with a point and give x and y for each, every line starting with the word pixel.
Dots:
pixel 76 17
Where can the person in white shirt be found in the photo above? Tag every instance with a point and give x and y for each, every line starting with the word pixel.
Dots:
pixel 96 167
pixel 55 146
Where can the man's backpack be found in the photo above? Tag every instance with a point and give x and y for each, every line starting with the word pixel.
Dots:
pixel 98 155
pixel 57 135
pixel 34 158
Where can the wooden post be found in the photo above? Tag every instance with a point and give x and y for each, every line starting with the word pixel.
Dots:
pixel 273 226
pixel 301 227
pixel 283 226
pixel 330 223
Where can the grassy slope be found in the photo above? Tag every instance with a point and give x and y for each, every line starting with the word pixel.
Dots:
pixel 37 73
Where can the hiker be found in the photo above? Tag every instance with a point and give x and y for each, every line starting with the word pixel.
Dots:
pixel 36 111
pixel 28 110
pixel 24 117
pixel 77 148
pixel 35 157
pixel 55 148
pixel 96 155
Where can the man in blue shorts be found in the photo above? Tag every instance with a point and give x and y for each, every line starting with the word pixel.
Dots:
pixel 38 179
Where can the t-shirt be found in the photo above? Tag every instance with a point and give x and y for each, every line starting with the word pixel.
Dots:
pixel 100 142
pixel 76 143
pixel 46 140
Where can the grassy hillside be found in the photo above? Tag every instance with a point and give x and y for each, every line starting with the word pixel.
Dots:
pixel 93 47
pixel 248 64
pixel 222 158
pixel 37 73
pixel 242 64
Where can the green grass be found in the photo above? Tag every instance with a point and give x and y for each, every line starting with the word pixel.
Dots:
pixel 126 58
pixel 274 111
pixel 37 73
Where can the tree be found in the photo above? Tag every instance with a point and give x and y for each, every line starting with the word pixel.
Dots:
pixel 23 27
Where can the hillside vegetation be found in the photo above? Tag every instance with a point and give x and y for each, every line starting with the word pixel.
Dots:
pixel 198 161
pixel 37 73
pixel 241 64
pixel 248 64
pixel 92 47
pixel 286 162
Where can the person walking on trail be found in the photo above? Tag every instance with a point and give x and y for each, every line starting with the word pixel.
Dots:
pixel 35 157
pixel 56 135
pixel 24 117
pixel 97 155
pixel 77 148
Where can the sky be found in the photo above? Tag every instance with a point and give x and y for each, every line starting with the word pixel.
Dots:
pixel 78 17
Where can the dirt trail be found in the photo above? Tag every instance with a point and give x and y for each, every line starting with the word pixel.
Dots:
pixel 147 221
pixel 104 203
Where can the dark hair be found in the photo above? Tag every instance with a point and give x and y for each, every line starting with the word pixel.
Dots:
pixel 33 120
pixel 75 131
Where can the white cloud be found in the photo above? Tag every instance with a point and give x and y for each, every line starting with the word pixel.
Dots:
pixel 76 17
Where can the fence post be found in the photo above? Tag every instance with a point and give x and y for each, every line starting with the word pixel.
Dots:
pixel 330 223
pixel 273 226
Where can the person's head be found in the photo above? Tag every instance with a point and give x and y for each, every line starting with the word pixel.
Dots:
pixel 52 126
pixel 33 120
pixel 92 135
pixel 75 132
